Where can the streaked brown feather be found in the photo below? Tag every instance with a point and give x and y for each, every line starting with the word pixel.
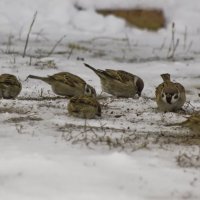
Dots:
pixel 118 82
pixel 84 107
pixel 9 79
pixel 10 87
pixel 120 75
pixel 68 78
pixel 85 100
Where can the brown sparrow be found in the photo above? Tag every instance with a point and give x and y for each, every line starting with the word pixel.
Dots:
pixel 193 123
pixel 170 96
pixel 119 83
pixel 67 84
pixel 86 107
pixel 10 87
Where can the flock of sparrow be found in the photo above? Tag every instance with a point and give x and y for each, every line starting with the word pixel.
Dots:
pixel 170 96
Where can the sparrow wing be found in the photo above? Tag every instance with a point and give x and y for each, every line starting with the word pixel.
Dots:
pixel 85 100
pixel 180 87
pixel 68 78
pixel 158 90
pixel 120 75
pixel 9 79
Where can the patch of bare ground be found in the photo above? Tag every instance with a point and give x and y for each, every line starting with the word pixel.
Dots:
pixel 151 19
pixel 23 119
pixel 12 109
pixel 42 98
pixel 123 138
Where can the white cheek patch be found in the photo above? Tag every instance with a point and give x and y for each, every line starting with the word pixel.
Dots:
pixel 165 100
pixel 89 91
pixel 164 97
pixel 174 100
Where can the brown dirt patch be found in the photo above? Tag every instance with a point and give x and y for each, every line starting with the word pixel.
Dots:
pixel 151 19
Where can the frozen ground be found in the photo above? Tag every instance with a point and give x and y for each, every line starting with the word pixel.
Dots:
pixel 131 152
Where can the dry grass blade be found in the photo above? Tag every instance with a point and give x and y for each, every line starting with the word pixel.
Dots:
pixel 27 38
pixel 57 43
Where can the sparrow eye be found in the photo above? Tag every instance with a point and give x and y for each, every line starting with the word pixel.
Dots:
pixel 87 90
pixel 163 95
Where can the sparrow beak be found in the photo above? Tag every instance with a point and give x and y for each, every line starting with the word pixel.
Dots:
pixel 169 98
pixel 99 114
pixel 99 111
pixel 139 94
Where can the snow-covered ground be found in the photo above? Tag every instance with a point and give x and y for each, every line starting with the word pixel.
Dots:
pixel 132 151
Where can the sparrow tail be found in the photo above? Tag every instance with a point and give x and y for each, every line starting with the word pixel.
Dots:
pixel 45 79
pixel 165 77
pixel 100 73
pixel 90 67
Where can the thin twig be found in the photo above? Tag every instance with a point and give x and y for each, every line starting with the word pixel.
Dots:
pixel 128 41
pixel 30 61
pixel 27 38
pixel 185 38
pixel 173 35
pixel 174 44
pixel 70 53
pixel 189 46
pixel 175 47
pixel 56 44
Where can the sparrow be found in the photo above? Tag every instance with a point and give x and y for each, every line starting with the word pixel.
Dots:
pixel 67 84
pixel 10 87
pixel 86 107
pixel 170 96
pixel 118 82
pixel 192 122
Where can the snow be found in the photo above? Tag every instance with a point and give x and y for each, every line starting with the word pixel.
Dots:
pixel 56 19
pixel 132 151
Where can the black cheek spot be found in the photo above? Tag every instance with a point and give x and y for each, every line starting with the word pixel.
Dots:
pixel 176 96
pixel 162 95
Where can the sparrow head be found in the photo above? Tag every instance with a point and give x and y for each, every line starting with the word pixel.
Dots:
pixel 89 91
pixel 170 96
